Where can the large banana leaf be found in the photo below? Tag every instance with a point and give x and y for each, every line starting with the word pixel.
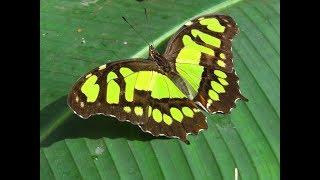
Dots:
pixel 77 36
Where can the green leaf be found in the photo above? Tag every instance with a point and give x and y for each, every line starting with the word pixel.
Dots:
pixel 77 36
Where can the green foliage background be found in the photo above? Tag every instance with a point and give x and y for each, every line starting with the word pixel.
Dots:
pixel 77 36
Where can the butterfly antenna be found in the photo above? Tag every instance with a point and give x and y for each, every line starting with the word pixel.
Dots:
pixel 146 15
pixel 135 31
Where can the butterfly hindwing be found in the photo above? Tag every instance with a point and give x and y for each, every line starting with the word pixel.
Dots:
pixel 218 91
pixel 201 52
pixel 137 91
pixel 174 118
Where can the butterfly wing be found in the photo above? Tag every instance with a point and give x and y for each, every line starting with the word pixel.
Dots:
pixel 137 91
pixel 201 52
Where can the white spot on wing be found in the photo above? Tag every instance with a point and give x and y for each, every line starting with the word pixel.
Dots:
pixel 102 67
pixel 209 102
pixel 82 104
pixel 87 76
pixel 189 23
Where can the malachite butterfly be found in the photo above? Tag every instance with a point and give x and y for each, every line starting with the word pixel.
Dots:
pixel 165 94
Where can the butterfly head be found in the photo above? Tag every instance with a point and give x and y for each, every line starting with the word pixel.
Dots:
pixel 153 53
pixel 151 49
pixel 161 61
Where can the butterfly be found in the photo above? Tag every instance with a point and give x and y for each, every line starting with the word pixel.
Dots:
pixel 167 94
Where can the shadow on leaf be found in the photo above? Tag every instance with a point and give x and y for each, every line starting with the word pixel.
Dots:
pixel 58 122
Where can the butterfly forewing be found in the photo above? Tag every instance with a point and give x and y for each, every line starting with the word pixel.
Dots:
pixel 137 91
pixel 201 52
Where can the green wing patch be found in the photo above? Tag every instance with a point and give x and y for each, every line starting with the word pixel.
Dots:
pixel 137 91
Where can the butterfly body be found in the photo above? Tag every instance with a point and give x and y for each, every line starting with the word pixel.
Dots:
pixel 163 63
pixel 165 93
